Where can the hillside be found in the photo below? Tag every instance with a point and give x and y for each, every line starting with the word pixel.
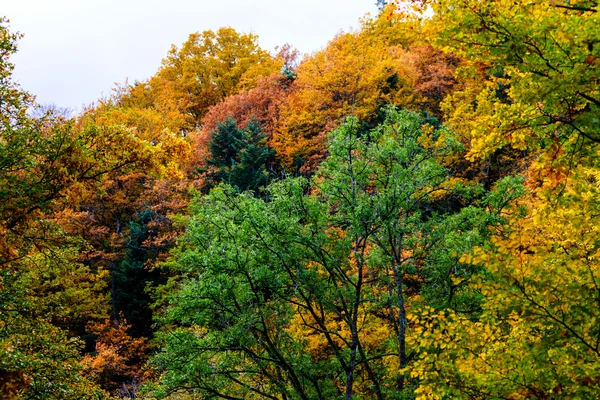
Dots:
pixel 411 212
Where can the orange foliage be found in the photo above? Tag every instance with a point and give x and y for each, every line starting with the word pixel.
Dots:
pixel 354 75
pixel 11 383
pixel 262 103
pixel 434 72
pixel 118 360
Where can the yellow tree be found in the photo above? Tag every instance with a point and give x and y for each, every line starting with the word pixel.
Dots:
pixel 531 84
pixel 354 75
pixel 536 63
pixel 539 335
pixel 208 67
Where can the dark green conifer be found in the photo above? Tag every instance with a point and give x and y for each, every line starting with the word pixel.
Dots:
pixel 239 156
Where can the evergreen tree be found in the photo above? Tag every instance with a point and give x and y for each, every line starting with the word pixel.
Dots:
pixel 225 144
pixel 239 156
pixel 251 173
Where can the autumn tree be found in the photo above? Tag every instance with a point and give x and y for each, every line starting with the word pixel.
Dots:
pixel 59 177
pixel 118 358
pixel 536 63
pixel 125 222
pixel 208 67
pixel 435 78
pixel 538 334
pixel 44 300
pixel 531 86
pixel 387 61
pixel 43 162
pixel 262 103
pixel 353 75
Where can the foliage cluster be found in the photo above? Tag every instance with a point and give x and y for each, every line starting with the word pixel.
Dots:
pixel 408 213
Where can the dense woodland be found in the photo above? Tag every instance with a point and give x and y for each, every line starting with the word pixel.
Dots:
pixel 411 212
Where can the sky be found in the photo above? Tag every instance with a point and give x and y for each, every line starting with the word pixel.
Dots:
pixel 74 51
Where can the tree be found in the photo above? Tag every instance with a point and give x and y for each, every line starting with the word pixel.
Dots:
pixel 262 103
pixel 46 162
pixel 538 336
pixel 354 75
pixel 537 64
pixel 530 84
pixel 434 76
pixel 44 300
pixel 393 195
pixel 118 358
pixel 305 295
pixel 126 221
pixel 47 293
pixel 208 67
pixel 239 157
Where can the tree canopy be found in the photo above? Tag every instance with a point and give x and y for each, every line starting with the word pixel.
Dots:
pixel 407 213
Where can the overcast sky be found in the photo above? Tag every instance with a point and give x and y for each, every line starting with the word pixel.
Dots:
pixel 74 51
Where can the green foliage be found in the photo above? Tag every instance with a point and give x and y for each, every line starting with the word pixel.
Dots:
pixel 304 296
pixel 232 319
pixel 134 275
pixel 226 141
pixel 239 156
pixel 537 65
pixel 37 359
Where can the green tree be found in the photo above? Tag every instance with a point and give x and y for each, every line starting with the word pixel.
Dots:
pixel 40 295
pixel 251 171
pixel 239 156
pixel 392 194
pixel 305 295
pixel 134 274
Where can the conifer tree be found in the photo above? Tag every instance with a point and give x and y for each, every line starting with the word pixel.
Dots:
pixel 239 156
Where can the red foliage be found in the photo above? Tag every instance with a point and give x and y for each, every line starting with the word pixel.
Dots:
pixel 262 103
pixel 119 358
pixel 434 75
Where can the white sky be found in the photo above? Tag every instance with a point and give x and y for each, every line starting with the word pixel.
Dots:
pixel 75 50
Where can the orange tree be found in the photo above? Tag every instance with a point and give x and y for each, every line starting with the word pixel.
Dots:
pixel 262 104
pixel 208 67
pixel 354 76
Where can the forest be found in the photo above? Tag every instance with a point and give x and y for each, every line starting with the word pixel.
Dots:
pixel 411 212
